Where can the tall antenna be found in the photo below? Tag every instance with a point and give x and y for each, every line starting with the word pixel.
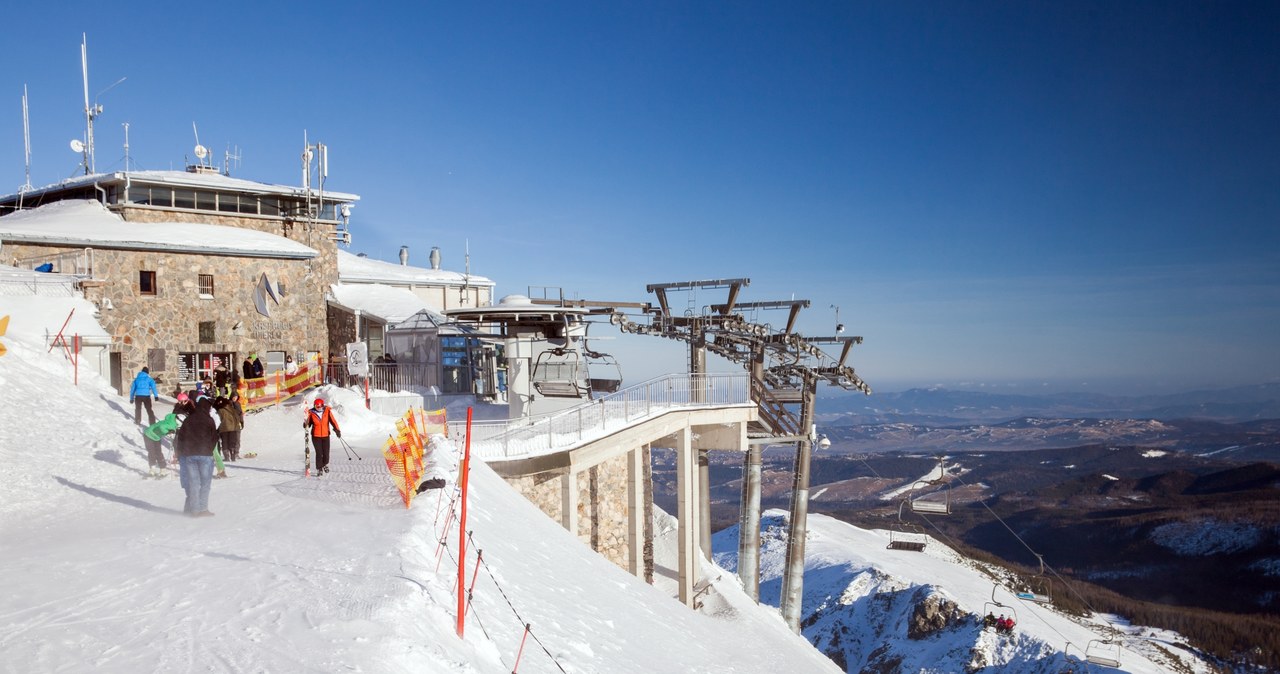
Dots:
pixel 26 140
pixel 466 282
pixel 126 146
pixel 91 112
pixel 86 148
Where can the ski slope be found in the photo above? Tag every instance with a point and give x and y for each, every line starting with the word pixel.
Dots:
pixel 103 573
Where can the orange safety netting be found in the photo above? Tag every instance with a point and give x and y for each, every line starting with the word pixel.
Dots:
pixel 403 453
pixel 259 393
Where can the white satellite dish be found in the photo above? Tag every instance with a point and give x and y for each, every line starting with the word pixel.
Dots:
pixel 201 151
pixel 76 145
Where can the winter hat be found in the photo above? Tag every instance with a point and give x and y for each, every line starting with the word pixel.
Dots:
pixel 182 398
pixel 146 370
pixel 319 402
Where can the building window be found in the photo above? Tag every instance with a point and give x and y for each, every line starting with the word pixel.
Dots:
pixel 147 282
pixel 206 331
pixel 206 286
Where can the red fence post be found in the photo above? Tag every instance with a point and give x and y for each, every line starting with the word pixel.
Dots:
pixel 462 530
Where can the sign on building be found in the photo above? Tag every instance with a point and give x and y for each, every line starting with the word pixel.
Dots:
pixel 358 359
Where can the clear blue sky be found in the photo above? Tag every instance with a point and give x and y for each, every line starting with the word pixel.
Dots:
pixel 1083 195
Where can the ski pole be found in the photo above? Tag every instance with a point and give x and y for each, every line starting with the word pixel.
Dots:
pixel 349 448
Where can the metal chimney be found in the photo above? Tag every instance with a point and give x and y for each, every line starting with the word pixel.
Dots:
pixel 404 256
pixel 435 257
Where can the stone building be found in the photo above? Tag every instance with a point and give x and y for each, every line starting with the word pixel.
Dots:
pixel 187 268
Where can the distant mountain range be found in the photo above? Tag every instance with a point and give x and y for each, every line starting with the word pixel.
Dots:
pixel 941 406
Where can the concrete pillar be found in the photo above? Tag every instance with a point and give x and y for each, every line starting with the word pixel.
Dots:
pixel 687 512
pixel 749 524
pixel 635 512
pixel 793 578
pixel 569 502
pixel 704 503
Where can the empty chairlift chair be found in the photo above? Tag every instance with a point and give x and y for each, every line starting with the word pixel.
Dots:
pixel 606 366
pixel 906 536
pixel 558 373
pixel 1105 652
pixel 932 502
pixel 1040 587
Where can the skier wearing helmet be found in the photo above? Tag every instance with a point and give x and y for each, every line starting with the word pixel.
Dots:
pixel 319 419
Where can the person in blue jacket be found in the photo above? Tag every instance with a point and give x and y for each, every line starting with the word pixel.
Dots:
pixel 141 394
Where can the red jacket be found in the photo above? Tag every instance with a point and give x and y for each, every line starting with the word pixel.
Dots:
pixel 319 422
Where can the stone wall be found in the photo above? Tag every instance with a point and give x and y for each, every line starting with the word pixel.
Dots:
pixel 140 325
pixel 603 512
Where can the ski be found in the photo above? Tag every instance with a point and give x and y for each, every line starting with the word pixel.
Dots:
pixel 306 441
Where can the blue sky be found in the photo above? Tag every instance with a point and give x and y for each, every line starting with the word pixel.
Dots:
pixel 1051 195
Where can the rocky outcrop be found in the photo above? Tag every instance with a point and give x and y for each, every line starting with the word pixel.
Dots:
pixel 931 615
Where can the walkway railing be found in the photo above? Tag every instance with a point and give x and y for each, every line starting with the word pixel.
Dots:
pixel 522 438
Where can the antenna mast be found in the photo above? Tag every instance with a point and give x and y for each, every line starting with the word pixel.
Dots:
pixel 26 140
pixel 88 112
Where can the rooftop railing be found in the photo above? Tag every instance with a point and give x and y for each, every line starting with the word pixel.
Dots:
pixel 536 436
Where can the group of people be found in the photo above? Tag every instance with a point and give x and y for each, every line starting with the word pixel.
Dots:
pixel 1002 624
pixel 205 423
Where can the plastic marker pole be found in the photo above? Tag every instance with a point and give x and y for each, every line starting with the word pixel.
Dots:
pixel 462 530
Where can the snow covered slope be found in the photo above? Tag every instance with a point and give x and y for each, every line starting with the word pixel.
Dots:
pixel 880 610
pixel 102 572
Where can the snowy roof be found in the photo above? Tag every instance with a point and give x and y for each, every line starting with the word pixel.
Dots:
pixel 215 181
pixel 383 302
pixel 89 223
pixel 353 268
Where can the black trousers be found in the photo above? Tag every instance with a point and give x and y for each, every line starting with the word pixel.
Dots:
pixel 322 451
pixel 155 452
pixel 138 403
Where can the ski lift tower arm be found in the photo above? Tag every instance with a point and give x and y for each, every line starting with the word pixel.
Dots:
pixel 734 285
pixel 794 305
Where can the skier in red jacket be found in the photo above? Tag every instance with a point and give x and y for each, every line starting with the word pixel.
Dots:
pixel 319 419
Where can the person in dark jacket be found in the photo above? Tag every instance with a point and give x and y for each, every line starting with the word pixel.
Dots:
pixel 222 380
pixel 194 446
pixel 141 393
pixel 232 417
pixel 319 420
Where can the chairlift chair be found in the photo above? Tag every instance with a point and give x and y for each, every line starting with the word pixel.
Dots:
pixel 595 361
pixel 929 503
pixel 994 607
pixel 906 536
pixel 1105 652
pixel 556 374
pixel 1041 587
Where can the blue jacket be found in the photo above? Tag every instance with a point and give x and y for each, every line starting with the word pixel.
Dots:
pixel 143 385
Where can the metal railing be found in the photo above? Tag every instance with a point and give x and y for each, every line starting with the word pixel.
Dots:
pixel 521 438
pixel 73 262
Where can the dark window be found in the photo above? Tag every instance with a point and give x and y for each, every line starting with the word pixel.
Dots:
pixel 248 204
pixel 139 195
pixel 147 282
pixel 270 206
pixel 161 196
pixel 206 201
pixel 206 332
pixel 227 203
pixel 206 285
pixel 184 199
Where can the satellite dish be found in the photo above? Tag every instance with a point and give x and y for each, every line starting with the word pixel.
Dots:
pixel 76 145
pixel 201 151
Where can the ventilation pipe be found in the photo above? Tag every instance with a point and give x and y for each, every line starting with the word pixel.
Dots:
pixel 404 256
pixel 435 257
